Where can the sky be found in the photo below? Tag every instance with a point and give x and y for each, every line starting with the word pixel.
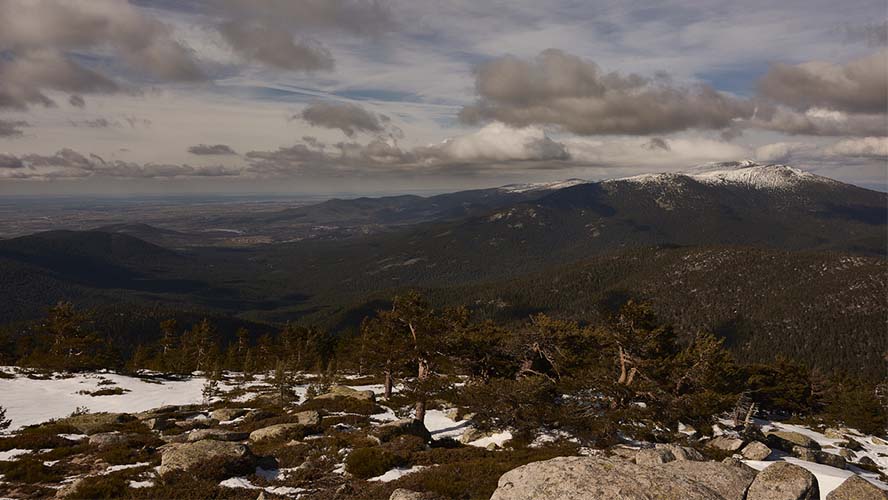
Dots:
pixel 314 96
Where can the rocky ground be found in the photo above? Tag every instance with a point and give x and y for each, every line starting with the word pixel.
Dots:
pixel 328 441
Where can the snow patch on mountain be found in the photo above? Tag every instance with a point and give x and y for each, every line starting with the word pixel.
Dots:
pixel 740 173
pixel 541 186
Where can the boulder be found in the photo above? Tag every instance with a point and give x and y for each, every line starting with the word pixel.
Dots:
pixel 188 455
pixel 406 427
pixel 402 494
pixel 473 434
pixel 879 441
pixel 846 454
pixel 833 433
pixel 310 417
pixel 755 450
pixel 568 478
pixel 158 423
pixel 278 431
pixel 664 453
pixel 831 459
pixel 106 439
pixel 866 462
pixel 784 481
pixel 806 454
pixel 852 444
pixel 857 488
pixel 226 414
pixel 341 391
pixel 725 443
pixel 216 434
pixel 91 423
pixel 787 440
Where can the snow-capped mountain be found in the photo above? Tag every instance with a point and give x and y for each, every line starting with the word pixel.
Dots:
pixel 746 173
pixel 541 186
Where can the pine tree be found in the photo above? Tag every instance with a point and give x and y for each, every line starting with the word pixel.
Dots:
pixel 4 422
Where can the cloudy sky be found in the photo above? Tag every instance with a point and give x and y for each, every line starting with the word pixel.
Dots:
pixel 116 96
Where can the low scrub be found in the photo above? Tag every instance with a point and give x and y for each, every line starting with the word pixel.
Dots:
pixel 365 463
pixel 28 470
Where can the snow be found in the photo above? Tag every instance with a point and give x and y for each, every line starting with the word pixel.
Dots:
pixel 12 454
pixel 115 468
pixel 396 473
pixel 541 186
pixel 828 478
pixel 498 439
pixel 141 484
pixel 744 173
pixel 239 482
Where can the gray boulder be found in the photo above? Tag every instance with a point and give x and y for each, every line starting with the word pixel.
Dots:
pixel 188 455
pixel 665 453
pixel 833 460
pixel 806 454
pixel 106 439
pixel 310 417
pixel 158 423
pixel 755 450
pixel 402 494
pixel 857 488
pixel 216 434
pixel 91 423
pixel 406 427
pixel 879 441
pixel 725 443
pixel 846 454
pixel 225 414
pixel 569 478
pixel 341 391
pixel 786 440
pixel 278 431
pixel 784 481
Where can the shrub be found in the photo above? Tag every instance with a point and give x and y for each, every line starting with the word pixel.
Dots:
pixel 345 405
pixel 107 486
pixel 371 462
pixel 39 437
pixel 28 470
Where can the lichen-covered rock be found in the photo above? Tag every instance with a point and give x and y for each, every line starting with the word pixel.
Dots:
pixel 857 488
pixel 831 459
pixel 569 478
pixel 341 391
pixel 188 455
pixel 755 450
pixel 91 423
pixel 806 454
pixel 846 454
pixel 665 453
pixel 786 440
pixel 309 417
pixel 216 434
pixel 879 441
pixel 406 427
pixel 105 439
pixel 158 423
pixel 226 414
pixel 402 494
pixel 278 431
pixel 784 481
pixel 725 443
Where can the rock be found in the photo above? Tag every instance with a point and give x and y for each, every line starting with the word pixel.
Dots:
pixel 310 417
pixel 91 423
pixel 105 439
pixel 623 452
pixel 341 391
pixel 866 461
pixel 664 453
pixel 755 450
pixel 473 434
pixel 806 454
pixel 784 481
pixel 787 440
pixel 879 441
pixel 402 494
pixel 568 478
pixel 852 444
pixel 857 488
pixel 491 447
pixel 216 434
pixel 409 427
pixel 170 411
pixel 846 454
pixel 831 459
pixel 226 414
pixel 278 431
pixel 158 423
pixel 254 415
pixel 188 455
pixel 725 443
pixel 68 489
pixel 452 414
pixel 833 433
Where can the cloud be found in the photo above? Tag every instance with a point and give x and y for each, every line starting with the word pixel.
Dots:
pixel 498 142
pixel 817 121
pixel 636 154
pixel 216 149
pixel 275 47
pixel 96 123
pixel 782 152
pixel 348 117
pixel 37 38
pixel 867 147
pixel 77 101
pixel 12 128
pixel 564 90
pixel 70 164
pixel 357 17
pixel 656 143
pixel 871 34
pixel 857 87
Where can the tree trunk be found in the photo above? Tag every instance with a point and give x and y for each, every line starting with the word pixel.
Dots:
pixel 622 378
pixel 422 375
pixel 388 384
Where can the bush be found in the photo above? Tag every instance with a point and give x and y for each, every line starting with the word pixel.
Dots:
pixel 39 437
pixel 28 470
pixel 108 486
pixel 365 463
pixel 345 405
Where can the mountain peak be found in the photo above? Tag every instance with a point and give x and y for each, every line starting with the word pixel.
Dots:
pixel 747 173
pixel 541 186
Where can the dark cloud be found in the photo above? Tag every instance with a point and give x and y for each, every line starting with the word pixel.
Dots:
pixel 68 163
pixel 96 123
pixel 208 150
pixel 347 117
pixel 275 47
pixel 77 101
pixel 656 144
pixel 357 17
pixel 12 128
pixel 560 89
pixel 857 87
pixel 818 122
pixel 36 38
